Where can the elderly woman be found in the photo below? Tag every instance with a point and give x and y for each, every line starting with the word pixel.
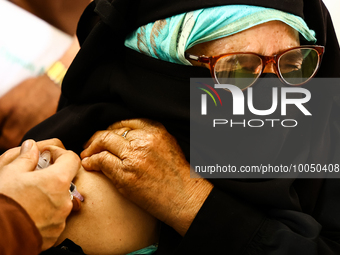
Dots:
pixel 147 161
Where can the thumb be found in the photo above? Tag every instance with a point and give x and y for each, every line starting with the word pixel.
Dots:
pixel 28 157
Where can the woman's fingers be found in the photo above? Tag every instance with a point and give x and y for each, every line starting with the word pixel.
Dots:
pixel 50 142
pixel 119 131
pixel 95 136
pixel 132 124
pixel 110 139
pixel 107 141
pixel 104 161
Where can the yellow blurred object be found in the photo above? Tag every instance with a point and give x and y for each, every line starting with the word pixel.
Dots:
pixel 57 72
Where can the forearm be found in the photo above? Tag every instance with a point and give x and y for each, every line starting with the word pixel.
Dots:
pixel 192 199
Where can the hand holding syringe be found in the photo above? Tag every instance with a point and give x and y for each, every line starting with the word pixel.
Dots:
pixel 44 161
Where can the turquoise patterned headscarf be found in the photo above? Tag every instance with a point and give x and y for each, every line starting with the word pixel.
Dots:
pixel 168 39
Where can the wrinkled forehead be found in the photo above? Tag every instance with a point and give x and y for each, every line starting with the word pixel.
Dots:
pixel 267 39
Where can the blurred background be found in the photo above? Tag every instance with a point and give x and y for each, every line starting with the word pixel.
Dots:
pixel 334 8
pixel 37 45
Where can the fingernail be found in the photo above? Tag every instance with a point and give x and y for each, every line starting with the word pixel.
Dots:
pixel 82 154
pixel 84 160
pixel 26 146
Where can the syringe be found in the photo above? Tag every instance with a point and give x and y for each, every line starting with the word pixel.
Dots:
pixel 44 161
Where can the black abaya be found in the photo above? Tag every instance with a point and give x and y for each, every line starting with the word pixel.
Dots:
pixel 108 82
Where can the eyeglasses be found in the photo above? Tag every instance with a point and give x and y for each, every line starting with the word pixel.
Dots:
pixel 294 66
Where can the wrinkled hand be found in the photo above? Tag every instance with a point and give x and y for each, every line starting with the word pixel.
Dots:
pixel 149 168
pixel 25 106
pixel 43 194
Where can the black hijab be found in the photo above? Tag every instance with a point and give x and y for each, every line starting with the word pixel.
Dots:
pixel 108 82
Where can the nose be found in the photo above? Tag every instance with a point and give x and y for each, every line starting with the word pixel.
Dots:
pixel 269 68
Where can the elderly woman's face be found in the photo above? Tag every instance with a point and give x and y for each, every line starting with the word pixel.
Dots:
pixel 266 39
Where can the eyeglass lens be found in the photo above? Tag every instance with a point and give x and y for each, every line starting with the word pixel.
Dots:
pixel 298 66
pixel 295 67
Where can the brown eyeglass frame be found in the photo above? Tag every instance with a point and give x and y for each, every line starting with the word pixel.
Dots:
pixel 265 60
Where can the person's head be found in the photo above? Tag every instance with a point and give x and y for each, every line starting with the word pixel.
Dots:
pixel 276 48
pixel 234 41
